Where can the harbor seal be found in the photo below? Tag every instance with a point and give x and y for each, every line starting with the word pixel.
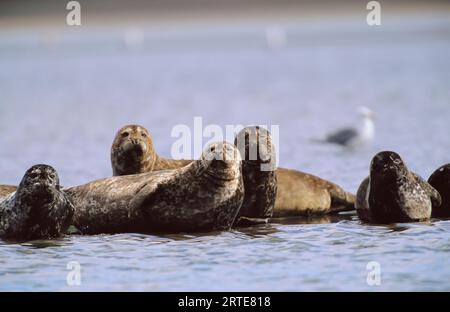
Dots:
pixel 393 194
pixel 440 180
pixel 258 172
pixel 132 152
pixel 205 195
pixel 37 209
pixel 298 193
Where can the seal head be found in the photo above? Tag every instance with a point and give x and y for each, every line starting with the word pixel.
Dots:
pixel 132 151
pixel 220 161
pixel 38 209
pixel 440 180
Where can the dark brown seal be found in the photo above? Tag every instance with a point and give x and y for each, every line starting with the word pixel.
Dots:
pixel 298 193
pixel 393 194
pixel 205 195
pixel 440 180
pixel 38 209
pixel 258 172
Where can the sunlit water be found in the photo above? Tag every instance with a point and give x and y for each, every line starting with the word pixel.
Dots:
pixel 63 97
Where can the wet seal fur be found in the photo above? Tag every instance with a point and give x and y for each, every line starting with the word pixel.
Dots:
pixel 205 195
pixel 37 209
pixel 258 171
pixel 394 194
pixel 298 193
pixel 440 180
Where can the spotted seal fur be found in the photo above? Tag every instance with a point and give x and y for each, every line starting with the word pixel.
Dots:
pixel 298 193
pixel 37 209
pixel 393 194
pixel 205 195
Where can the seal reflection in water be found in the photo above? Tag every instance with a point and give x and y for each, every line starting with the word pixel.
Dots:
pixel 37 209
pixel 206 195
pixel 440 180
pixel 298 193
pixel 392 193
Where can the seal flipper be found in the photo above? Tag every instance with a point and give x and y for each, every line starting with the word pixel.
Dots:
pixel 244 221
pixel 341 200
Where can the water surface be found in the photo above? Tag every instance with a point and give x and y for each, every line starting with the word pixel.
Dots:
pixel 62 97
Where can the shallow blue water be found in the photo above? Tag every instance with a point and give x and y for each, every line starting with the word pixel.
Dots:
pixel 61 101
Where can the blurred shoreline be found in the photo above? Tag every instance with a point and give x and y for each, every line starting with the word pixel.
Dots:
pixel 29 15
pixel 215 24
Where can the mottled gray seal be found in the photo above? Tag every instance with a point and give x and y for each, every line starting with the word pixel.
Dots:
pixel 37 209
pixel 440 180
pixel 392 193
pixel 298 193
pixel 205 195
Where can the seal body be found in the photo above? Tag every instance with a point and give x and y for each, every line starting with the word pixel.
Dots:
pixel 206 195
pixel 392 193
pixel 297 193
pixel 440 180
pixel 6 190
pixel 303 194
pixel 37 209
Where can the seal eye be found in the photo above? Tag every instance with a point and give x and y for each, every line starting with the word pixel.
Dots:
pixel 33 175
pixel 143 135
pixel 125 134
